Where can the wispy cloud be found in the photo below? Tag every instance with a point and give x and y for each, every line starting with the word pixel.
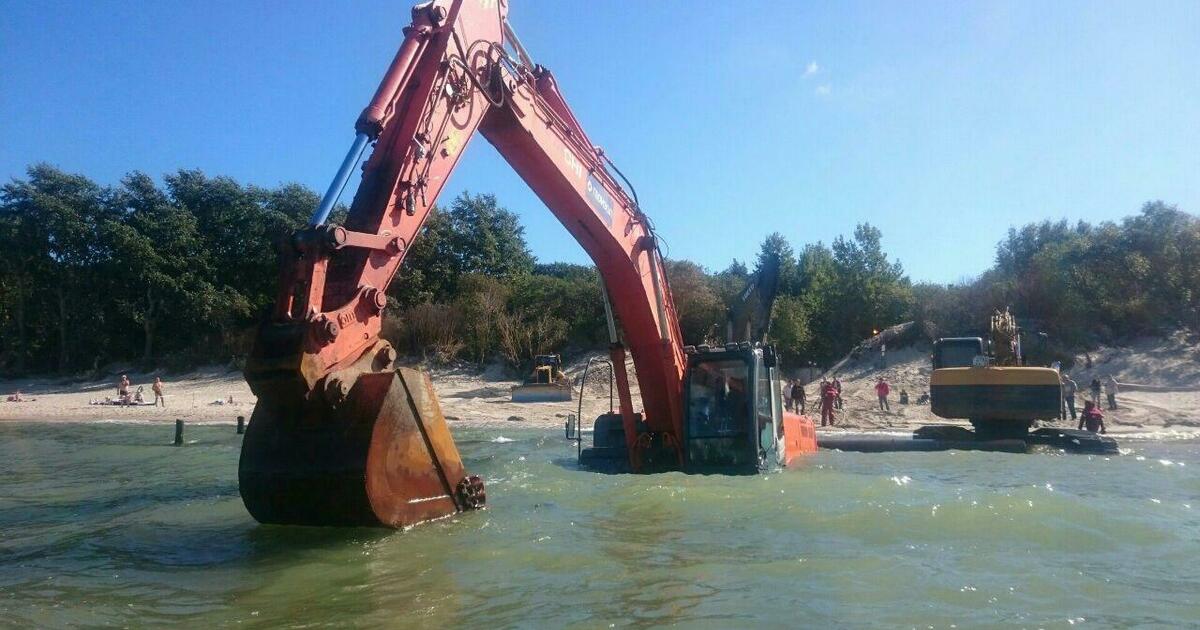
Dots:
pixel 823 90
pixel 811 69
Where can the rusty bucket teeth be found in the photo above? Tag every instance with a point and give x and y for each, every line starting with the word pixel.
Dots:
pixel 382 457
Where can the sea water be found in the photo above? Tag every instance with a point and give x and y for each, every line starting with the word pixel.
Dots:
pixel 108 524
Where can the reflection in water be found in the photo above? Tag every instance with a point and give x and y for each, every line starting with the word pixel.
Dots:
pixel 643 537
pixel 108 525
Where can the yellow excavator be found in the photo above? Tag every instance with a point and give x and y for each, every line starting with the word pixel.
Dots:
pixel 989 384
pixel 547 383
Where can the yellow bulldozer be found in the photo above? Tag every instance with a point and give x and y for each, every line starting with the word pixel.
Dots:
pixel 547 382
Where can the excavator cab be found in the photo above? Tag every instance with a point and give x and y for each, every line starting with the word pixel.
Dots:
pixel 953 352
pixel 732 410
pixel 733 421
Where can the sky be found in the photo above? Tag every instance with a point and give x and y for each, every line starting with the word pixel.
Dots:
pixel 941 123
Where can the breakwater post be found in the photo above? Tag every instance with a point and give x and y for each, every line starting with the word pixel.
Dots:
pixel 178 432
pixel 241 425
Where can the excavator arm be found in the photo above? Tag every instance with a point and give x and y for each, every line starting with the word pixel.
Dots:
pixel 337 436
pixel 749 317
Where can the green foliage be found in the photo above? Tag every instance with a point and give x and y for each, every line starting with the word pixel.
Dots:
pixel 698 304
pixel 871 292
pixel 181 273
pixel 473 236
pixel 776 250
pixel 831 298
pixel 790 329
pixel 98 274
pixel 53 218
pixel 1105 281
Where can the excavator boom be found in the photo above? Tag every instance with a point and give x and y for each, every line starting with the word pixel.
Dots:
pixel 337 436
pixel 330 405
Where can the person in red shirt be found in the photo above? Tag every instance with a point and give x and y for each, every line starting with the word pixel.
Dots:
pixel 829 396
pixel 1092 417
pixel 882 389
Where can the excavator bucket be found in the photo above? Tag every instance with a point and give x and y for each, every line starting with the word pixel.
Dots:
pixel 382 457
pixel 541 392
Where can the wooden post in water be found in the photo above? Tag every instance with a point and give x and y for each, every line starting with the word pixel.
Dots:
pixel 241 425
pixel 178 432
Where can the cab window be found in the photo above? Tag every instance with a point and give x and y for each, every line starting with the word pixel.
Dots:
pixel 764 406
pixel 956 354
pixel 717 399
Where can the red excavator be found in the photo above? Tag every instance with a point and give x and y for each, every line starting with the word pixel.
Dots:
pixel 339 437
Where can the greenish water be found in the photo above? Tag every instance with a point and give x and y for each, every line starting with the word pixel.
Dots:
pixel 107 524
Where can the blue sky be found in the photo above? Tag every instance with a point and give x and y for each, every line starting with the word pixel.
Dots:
pixel 942 123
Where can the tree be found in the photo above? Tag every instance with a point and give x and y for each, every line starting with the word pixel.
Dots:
pixel 730 282
pixel 776 251
pixel 238 226
pixel 54 218
pixel 184 270
pixel 475 235
pixel 871 292
pixel 790 330
pixel 700 310
pixel 160 269
pixel 815 289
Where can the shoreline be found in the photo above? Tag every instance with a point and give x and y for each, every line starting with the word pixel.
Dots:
pixel 541 423
pixel 1162 400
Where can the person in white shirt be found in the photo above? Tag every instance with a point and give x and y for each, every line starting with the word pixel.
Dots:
pixel 1110 390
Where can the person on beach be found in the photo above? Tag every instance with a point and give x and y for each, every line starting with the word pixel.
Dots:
pixel 882 389
pixel 1110 390
pixel 124 396
pixel 799 400
pixel 1092 418
pixel 1069 388
pixel 1096 391
pixel 16 397
pixel 837 386
pixel 828 400
pixel 904 397
pixel 157 388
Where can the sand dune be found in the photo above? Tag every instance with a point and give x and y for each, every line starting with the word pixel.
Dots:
pixel 1164 394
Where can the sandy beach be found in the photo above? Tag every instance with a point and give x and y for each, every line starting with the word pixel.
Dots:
pixel 1160 394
